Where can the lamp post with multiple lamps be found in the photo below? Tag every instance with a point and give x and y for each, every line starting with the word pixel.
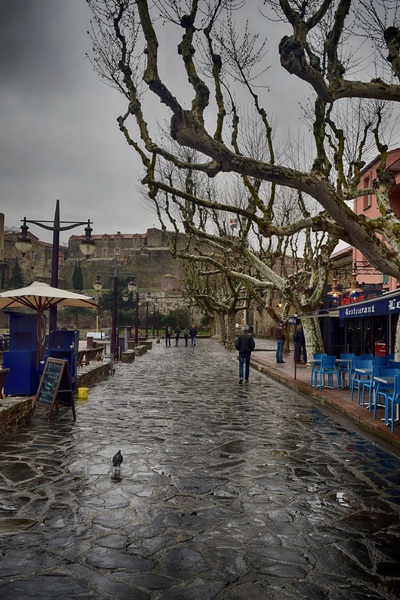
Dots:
pixel 24 245
pixel 148 299
pixel 131 288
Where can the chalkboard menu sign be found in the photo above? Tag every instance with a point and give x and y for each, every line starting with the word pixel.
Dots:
pixel 55 386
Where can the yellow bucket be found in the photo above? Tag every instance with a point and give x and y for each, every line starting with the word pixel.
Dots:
pixel 83 393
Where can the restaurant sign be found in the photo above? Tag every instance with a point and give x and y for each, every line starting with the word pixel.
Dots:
pixel 378 306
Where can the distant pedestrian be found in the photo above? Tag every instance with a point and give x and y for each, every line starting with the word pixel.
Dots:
pixel 186 333
pixel 168 333
pixel 300 344
pixel 193 335
pixel 177 332
pixel 245 344
pixel 280 341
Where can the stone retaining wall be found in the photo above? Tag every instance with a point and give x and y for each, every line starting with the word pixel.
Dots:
pixel 128 356
pixel 94 372
pixel 16 411
pixel 139 350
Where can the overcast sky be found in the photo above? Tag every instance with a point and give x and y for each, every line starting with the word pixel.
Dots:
pixel 59 136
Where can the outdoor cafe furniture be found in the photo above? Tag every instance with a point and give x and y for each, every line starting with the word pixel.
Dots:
pixel 394 364
pixel 375 385
pixel 385 388
pixel 362 372
pixel 381 361
pixel 345 363
pixel 392 402
pixel 326 368
pixel 315 363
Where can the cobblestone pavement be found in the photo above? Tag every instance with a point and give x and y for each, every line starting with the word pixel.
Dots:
pixel 226 491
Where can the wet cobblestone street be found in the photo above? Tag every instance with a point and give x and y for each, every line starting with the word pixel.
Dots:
pixel 226 491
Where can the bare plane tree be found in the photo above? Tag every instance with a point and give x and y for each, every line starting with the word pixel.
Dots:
pixel 216 58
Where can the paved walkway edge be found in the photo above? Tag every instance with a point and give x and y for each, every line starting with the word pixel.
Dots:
pixel 332 399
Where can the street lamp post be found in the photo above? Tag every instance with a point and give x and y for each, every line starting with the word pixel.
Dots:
pixel 114 315
pixel 97 285
pixel 24 245
pixel 158 316
pixel 135 288
pixel 131 287
pixel 155 304
pixel 148 298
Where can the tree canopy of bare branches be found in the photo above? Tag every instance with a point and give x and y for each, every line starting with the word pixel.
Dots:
pixel 196 65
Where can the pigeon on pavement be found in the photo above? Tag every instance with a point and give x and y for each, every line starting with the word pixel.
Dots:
pixel 117 460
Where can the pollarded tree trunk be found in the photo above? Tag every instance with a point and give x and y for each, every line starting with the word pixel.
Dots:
pixel 230 330
pixel 397 341
pixel 220 327
pixel 313 336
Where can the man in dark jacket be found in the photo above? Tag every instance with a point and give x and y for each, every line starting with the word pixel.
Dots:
pixel 300 344
pixel 245 344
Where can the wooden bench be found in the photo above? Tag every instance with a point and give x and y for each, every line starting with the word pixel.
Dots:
pixel 89 354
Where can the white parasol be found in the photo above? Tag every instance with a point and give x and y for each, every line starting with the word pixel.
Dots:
pixel 40 297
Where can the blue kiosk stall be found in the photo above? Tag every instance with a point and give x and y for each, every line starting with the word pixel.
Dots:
pixel 22 357
pixel 23 360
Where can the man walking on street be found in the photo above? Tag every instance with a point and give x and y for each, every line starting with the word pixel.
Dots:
pixel 193 334
pixel 280 342
pixel 245 344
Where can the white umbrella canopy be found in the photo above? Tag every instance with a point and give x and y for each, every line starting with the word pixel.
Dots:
pixel 40 297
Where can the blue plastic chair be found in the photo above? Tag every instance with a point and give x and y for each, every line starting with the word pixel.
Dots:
pixel 327 368
pixel 316 362
pixel 358 379
pixel 384 390
pixel 381 361
pixel 369 385
pixel 376 387
pixel 367 357
pixel 346 367
pixel 391 401
pixel 394 364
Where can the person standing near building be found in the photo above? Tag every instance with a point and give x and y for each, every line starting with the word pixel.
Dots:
pixel 245 344
pixel 186 333
pixel 300 344
pixel 177 332
pixel 168 332
pixel 280 341
pixel 193 334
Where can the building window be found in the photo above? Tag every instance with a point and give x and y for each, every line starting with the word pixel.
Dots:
pixel 105 251
pixel 117 251
pixel 366 198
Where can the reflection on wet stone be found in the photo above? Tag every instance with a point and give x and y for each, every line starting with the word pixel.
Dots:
pixel 224 493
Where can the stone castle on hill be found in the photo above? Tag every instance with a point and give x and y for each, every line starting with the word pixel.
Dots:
pixel 147 256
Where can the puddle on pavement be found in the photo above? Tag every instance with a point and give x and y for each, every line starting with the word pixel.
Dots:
pixel 235 447
pixel 342 498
